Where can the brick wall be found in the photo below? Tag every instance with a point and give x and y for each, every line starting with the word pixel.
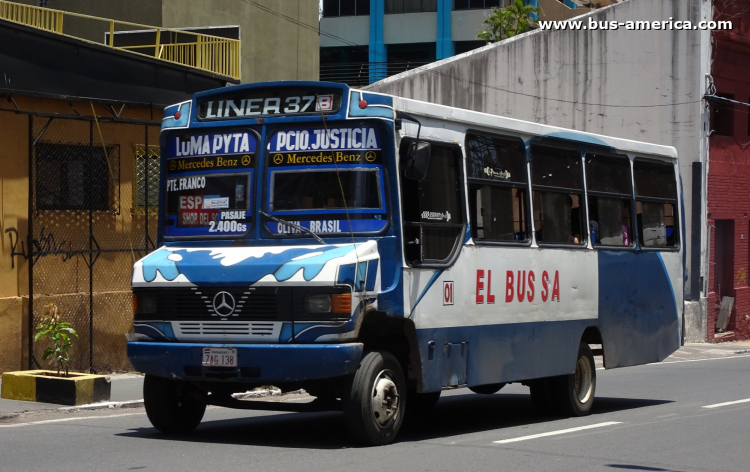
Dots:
pixel 729 170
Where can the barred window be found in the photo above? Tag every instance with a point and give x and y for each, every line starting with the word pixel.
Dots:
pixel 147 165
pixel 77 177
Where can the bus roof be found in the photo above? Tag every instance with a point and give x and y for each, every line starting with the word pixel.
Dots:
pixel 497 122
pixel 460 115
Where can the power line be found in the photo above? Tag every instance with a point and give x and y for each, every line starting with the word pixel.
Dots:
pixel 455 78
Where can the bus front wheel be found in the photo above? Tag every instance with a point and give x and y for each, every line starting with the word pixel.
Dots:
pixel 171 406
pixel 374 397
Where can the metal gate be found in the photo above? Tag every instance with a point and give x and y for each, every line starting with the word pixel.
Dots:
pixel 93 193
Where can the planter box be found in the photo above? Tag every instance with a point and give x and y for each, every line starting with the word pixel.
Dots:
pixel 44 386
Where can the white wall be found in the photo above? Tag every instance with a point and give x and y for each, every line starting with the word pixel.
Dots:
pixel 642 85
pixel 353 29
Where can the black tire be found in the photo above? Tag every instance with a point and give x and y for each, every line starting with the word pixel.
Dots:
pixel 375 425
pixel 541 396
pixel 488 389
pixel 574 393
pixel 170 406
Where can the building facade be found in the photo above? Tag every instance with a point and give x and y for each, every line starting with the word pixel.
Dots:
pixel 279 37
pixel 729 177
pixel 79 128
pixel 363 41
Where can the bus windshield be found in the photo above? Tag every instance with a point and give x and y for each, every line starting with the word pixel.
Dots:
pixel 327 180
pixel 324 189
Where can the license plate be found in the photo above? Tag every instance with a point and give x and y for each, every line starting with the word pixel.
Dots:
pixel 219 357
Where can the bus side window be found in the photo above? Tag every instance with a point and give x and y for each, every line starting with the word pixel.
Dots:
pixel 610 200
pixel 496 171
pixel 557 185
pixel 656 203
pixel 433 208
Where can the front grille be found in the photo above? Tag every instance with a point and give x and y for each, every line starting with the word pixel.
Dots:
pixel 227 331
pixel 197 303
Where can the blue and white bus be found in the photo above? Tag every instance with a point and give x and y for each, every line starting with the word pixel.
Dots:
pixel 376 250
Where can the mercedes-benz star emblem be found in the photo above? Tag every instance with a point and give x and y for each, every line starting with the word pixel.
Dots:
pixel 224 304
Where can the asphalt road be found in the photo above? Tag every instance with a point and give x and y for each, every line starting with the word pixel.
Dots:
pixel 649 418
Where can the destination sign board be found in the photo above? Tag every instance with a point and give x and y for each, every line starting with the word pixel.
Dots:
pixel 320 146
pixel 269 102
pixel 211 151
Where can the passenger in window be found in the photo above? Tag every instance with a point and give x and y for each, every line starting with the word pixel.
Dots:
pixel 575 219
pixel 625 228
pixel 594 224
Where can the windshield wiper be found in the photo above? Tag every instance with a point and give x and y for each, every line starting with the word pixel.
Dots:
pixel 293 225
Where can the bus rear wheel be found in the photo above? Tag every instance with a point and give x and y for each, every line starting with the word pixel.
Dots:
pixel 374 399
pixel 575 392
pixel 170 406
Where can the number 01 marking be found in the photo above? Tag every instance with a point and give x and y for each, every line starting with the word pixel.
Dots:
pixel 447 293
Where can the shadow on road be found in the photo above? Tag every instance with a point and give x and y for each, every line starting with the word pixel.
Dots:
pixel 639 467
pixel 454 415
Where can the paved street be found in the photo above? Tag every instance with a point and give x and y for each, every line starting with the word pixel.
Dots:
pixel 688 414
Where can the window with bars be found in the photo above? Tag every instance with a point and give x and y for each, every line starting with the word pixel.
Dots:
pixel 146 165
pixel 77 177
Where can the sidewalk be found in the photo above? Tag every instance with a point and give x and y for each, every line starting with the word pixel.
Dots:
pixel 129 387
pixel 125 388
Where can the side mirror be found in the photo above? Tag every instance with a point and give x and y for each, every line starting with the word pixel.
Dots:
pixel 417 160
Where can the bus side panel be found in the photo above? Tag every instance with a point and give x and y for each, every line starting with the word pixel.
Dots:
pixel 640 303
pixel 518 312
pixel 502 353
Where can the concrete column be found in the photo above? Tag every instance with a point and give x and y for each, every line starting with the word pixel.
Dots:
pixel 377 42
pixel 445 47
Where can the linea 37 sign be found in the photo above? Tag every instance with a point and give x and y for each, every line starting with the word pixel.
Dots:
pixel 269 102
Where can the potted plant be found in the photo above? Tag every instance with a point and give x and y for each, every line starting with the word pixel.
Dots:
pixel 60 333
pixel 61 386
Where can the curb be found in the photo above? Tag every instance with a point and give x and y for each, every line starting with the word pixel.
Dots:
pixel 45 387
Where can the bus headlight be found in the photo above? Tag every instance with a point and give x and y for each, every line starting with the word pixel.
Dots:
pixel 144 303
pixel 318 303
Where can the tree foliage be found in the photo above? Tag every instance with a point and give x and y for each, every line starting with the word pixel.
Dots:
pixel 60 333
pixel 508 21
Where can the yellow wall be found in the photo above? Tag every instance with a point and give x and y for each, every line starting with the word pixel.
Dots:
pixel 65 282
pixel 273 48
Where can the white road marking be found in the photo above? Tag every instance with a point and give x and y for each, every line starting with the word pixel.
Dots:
pixel 62 420
pixel 667 361
pixel 717 405
pixel 680 361
pixel 555 433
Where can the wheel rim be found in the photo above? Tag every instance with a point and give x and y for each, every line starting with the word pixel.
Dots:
pixel 584 380
pixel 385 398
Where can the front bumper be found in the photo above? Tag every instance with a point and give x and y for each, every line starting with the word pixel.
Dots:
pixel 256 362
